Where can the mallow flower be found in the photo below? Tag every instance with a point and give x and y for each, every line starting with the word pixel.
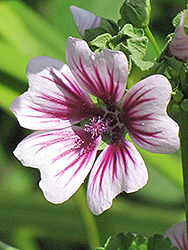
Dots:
pixel 178 46
pixel 177 235
pixel 70 126
pixel 84 20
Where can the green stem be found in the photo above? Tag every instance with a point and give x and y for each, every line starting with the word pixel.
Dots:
pixel 184 154
pixel 91 228
pixel 153 41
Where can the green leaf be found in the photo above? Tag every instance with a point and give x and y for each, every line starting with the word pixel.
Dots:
pixel 158 242
pixel 131 41
pixel 99 42
pixel 135 76
pixel 177 96
pixel 138 48
pixel 137 242
pixel 176 20
pixel 136 12
pixel 102 145
pixel 143 65
pixel 125 242
pixel 134 44
pixel 186 23
pixel 111 244
pixel 107 26
pixel 184 105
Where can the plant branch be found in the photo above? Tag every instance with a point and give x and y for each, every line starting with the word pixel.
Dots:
pixel 152 40
pixel 89 220
pixel 184 154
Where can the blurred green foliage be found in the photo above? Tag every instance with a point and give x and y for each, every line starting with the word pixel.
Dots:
pixel 27 220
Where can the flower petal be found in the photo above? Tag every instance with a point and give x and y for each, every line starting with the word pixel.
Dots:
pixel 177 235
pixel 84 20
pixel 103 75
pixel 145 117
pixel 64 158
pixel 54 99
pixel 179 43
pixel 118 168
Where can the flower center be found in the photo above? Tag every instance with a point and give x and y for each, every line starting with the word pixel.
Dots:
pixel 108 126
pixel 111 119
pixel 97 126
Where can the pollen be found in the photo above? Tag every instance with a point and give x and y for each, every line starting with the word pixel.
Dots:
pixel 97 126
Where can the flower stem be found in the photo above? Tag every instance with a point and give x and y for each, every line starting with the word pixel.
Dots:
pixel 184 155
pixel 186 3
pixel 152 39
pixel 88 217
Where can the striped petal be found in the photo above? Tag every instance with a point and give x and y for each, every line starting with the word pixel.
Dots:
pixel 64 158
pixel 118 168
pixel 103 75
pixel 54 99
pixel 84 20
pixel 177 235
pixel 145 117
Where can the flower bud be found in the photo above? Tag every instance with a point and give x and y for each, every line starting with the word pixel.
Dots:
pixel 136 12
pixel 84 20
pixel 179 44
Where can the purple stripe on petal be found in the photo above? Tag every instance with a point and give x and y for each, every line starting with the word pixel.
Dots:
pixel 117 152
pixel 133 118
pixel 140 136
pixel 54 99
pixel 137 116
pixel 179 243
pixel 63 105
pixel 64 158
pixel 177 235
pixel 103 75
pixel 134 101
pixel 118 168
pixel 106 91
pixel 71 89
pixel 135 127
pixel 83 162
pixel 145 118
pixel 80 143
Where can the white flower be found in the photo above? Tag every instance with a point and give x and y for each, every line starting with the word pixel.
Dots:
pixel 58 100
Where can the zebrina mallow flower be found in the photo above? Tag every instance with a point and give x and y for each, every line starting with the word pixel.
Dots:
pixel 58 100
pixel 179 44
pixel 84 20
pixel 177 235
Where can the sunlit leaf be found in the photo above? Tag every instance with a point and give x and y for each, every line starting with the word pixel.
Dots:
pixel 6 247
pixel 23 35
